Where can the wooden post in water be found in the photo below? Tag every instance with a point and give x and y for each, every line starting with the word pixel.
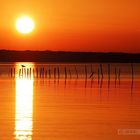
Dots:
pixel 40 72
pixel 54 73
pixel 65 73
pixel 19 72
pixel 115 73
pixel 37 72
pixel 30 72
pixel 92 72
pixel 58 71
pixel 98 75
pixel 119 75
pixel 14 72
pixel 108 71
pixel 86 71
pixel 70 73
pixel 108 75
pixel 27 72
pixel 76 72
pixel 132 70
pixel 22 71
pixel 11 72
pixel 49 73
pixel 33 72
pixel 115 76
pixel 43 72
pixel 46 74
pixel 101 69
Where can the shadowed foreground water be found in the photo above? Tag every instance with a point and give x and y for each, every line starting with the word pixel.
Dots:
pixel 69 109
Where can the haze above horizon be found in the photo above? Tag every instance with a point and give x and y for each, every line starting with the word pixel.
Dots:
pixel 76 25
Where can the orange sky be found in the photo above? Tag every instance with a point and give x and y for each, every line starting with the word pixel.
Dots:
pixel 73 25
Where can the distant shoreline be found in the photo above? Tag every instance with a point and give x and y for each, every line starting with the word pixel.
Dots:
pixel 71 57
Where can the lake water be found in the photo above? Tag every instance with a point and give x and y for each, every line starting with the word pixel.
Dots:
pixel 69 101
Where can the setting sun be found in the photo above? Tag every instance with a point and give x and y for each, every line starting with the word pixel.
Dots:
pixel 25 25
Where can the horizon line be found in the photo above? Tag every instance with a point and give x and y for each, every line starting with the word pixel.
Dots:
pixel 118 52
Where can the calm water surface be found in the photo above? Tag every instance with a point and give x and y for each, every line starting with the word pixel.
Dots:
pixel 69 101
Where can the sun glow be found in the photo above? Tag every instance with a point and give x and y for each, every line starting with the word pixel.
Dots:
pixel 25 25
pixel 24 103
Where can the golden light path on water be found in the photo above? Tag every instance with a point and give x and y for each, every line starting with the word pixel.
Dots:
pixel 24 102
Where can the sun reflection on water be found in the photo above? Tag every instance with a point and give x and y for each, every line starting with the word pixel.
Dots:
pixel 24 104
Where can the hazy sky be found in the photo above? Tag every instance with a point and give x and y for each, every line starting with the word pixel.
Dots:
pixel 72 25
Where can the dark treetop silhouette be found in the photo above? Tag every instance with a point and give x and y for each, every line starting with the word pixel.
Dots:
pixel 61 56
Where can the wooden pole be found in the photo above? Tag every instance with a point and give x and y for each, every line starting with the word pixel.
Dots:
pixel 54 73
pixel 30 72
pixel 86 71
pixel 65 73
pixel 58 71
pixel 22 71
pixel 98 75
pixel 49 73
pixel 14 72
pixel 108 71
pixel 37 72
pixel 46 74
pixel 119 75
pixel 43 72
pixel 11 72
pixel 115 76
pixel 76 72
pixel 101 69
pixel 19 72
pixel 27 72
pixel 132 70
pixel 33 72
pixel 40 72
pixel 70 73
